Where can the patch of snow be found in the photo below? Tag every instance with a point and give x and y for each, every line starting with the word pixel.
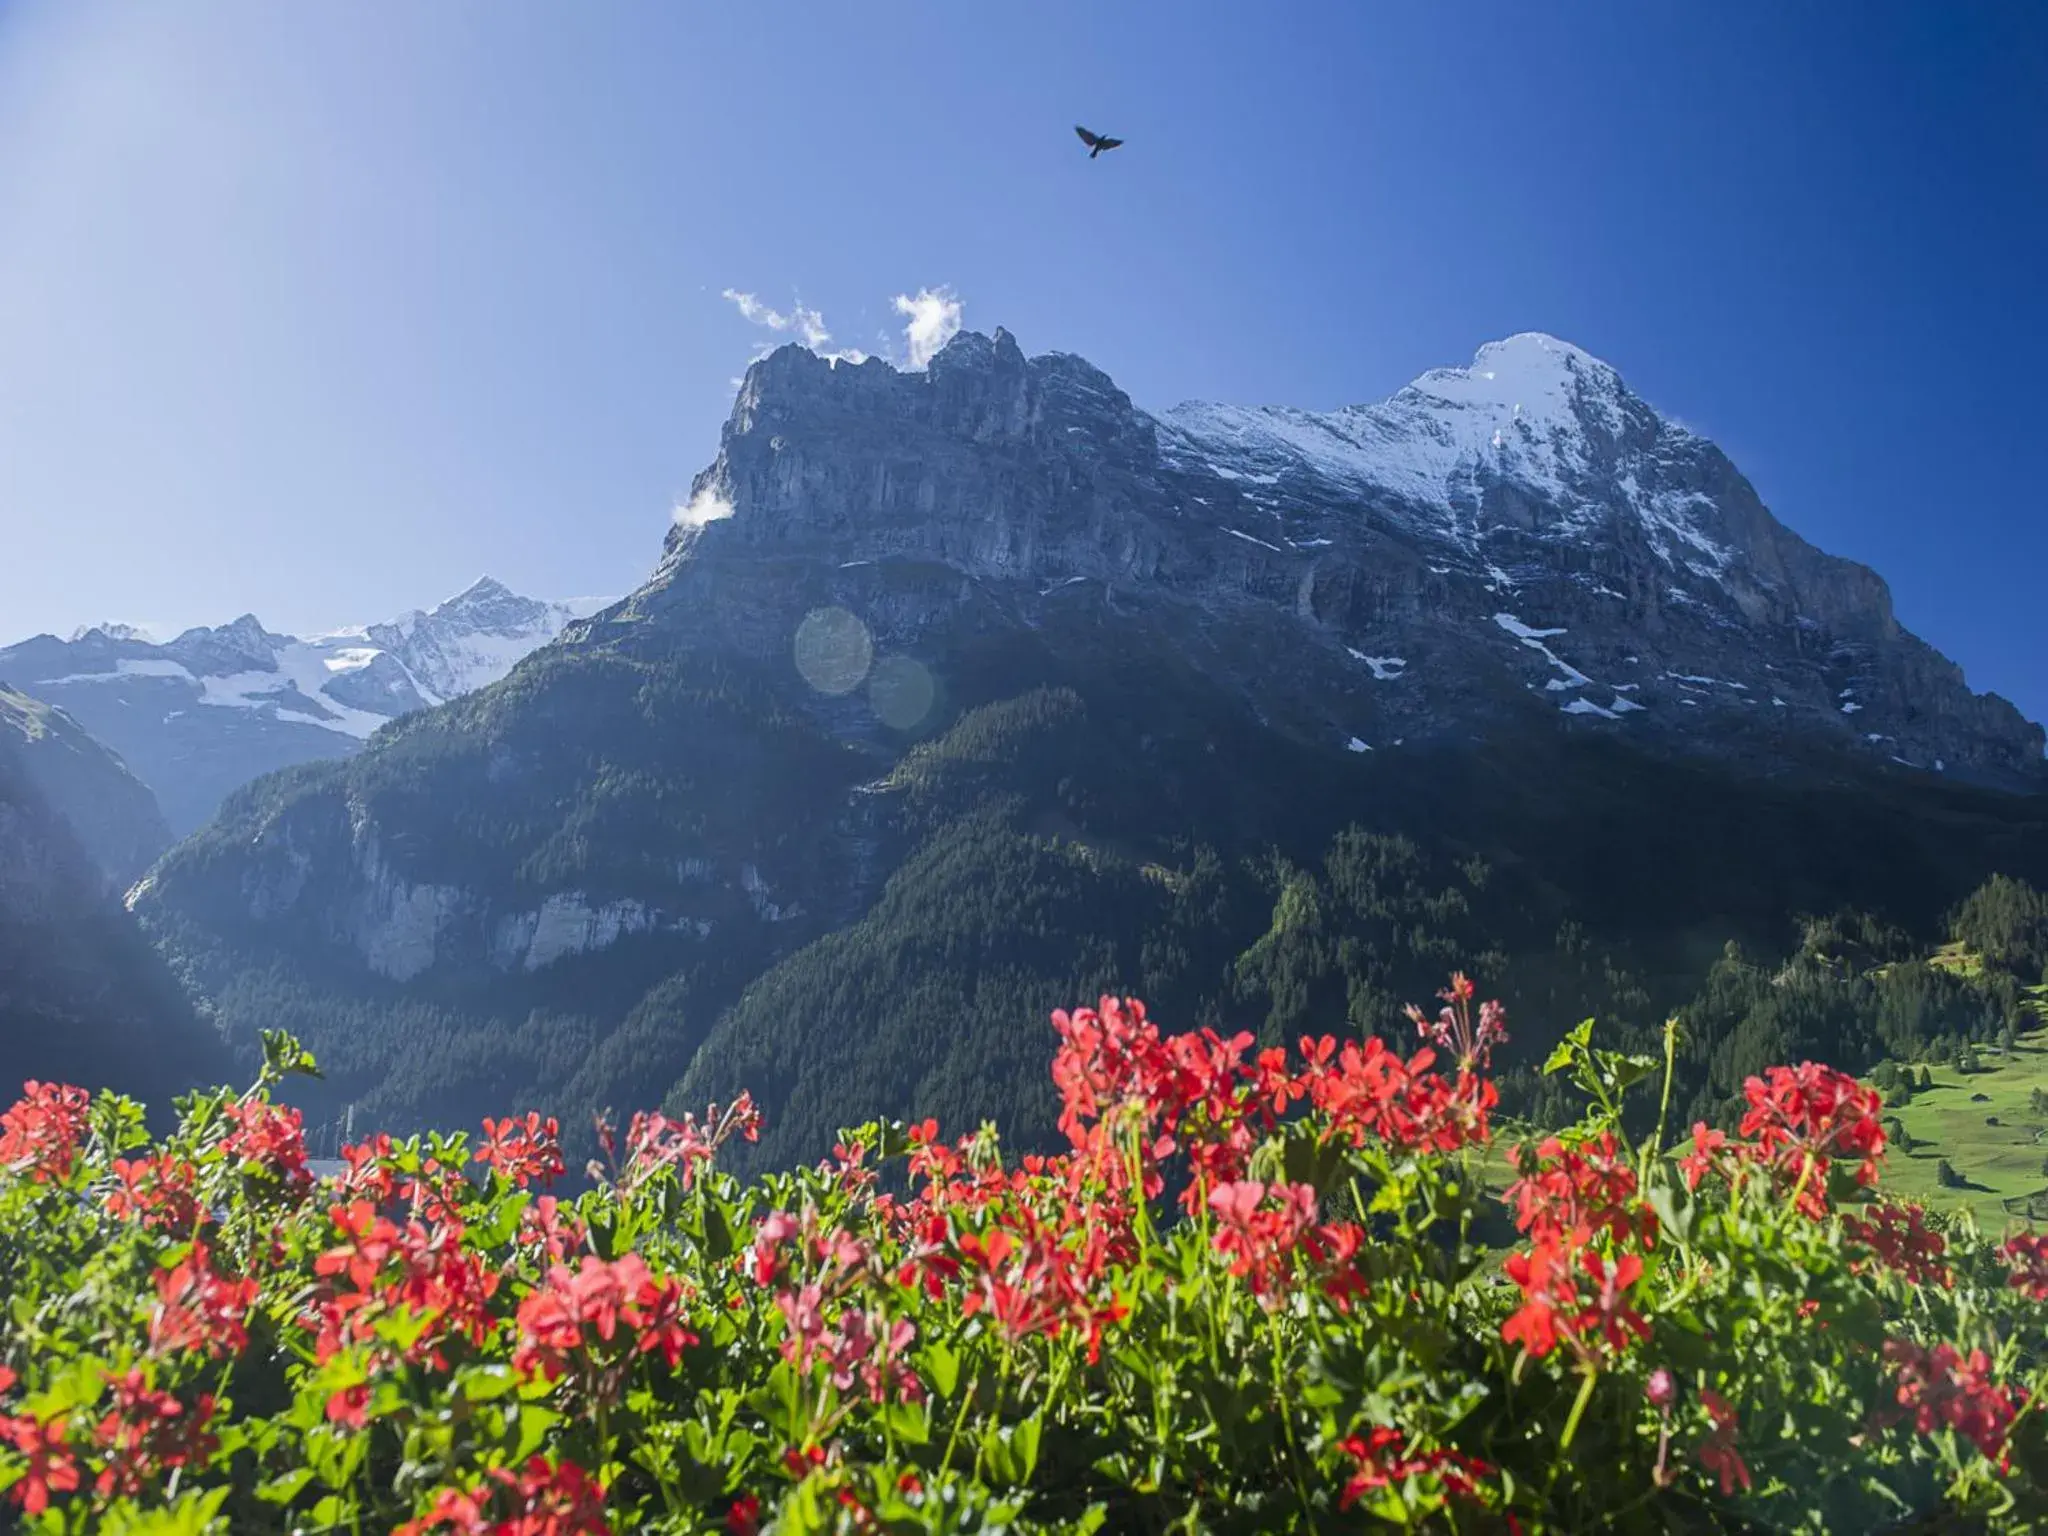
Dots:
pixel 1521 631
pixel 1534 638
pixel 1940 766
pixel 1240 533
pixel 1780 703
pixel 1851 707
pixel 1311 543
pixel 1626 687
pixel 1588 707
pixel 1622 706
pixel 1385 669
pixel 127 666
pixel 1355 745
pixel 1048 591
pixel 1528 410
pixel 847 565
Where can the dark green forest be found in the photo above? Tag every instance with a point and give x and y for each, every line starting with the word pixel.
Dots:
pixel 1083 822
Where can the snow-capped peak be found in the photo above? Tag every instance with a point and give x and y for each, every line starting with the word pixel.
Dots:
pixel 1528 378
pixel 349 680
pixel 1529 411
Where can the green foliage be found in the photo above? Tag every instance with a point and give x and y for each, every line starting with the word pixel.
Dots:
pixel 1090 818
pixel 923 1336
pixel 2006 922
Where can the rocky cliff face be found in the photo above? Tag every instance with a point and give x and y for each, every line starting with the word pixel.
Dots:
pixel 1524 533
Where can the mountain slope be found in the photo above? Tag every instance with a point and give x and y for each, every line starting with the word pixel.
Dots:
pixel 111 811
pixel 204 713
pixel 958 693
pixel 83 999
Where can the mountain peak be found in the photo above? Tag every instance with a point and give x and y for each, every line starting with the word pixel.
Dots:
pixel 483 589
pixel 1530 483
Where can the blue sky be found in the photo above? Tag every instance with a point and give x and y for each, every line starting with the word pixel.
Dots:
pixel 323 309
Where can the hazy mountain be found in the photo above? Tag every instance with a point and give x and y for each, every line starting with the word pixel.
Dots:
pixel 112 812
pixel 83 998
pixel 200 715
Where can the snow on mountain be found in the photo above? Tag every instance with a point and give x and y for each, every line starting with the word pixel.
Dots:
pixel 1531 411
pixel 201 714
pixel 350 680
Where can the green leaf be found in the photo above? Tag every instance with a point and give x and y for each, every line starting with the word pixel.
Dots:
pixel 487 1383
pixel 941 1367
pixel 534 1422
pixel 1024 1443
pixel 907 1422
pixel 283 1056
pixel 1674 1207
pixel 285 1487
pixel 1570 1048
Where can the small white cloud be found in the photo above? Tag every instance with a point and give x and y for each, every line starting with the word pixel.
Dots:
pixel 808 324
pixel 934 320
pixel 707 506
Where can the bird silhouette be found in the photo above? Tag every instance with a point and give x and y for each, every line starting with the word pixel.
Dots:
pixel 1096 142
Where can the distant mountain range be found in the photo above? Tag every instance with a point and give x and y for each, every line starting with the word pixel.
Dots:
pixel 961 694
pixel 196 717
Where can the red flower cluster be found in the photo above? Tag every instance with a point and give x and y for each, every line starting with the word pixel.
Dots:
pixel 1805 1119
pixel 1576 1192
pixel 273 1140
pixel 1595 1320
pixel 51 1466
pixel 369 1172
pixel 199 1309
pixel 383 1269
pixel 40 1134
pixel 1115 1071
pixel 1708 1145
pixel 160 1191
pixel 148 1432
pixel 1268 1232
pixel 1031 1279
pixel 866 1345
pixel 1571 1198
pixel 2028 1255
pixel 1898 1235
pixel 552 1229
pixel 1717 1452
pixel 526 1151
pixel 539 1499
pixel 655 1142
pixel 1453 1030
pixel 1384 1461
pixel 1371 1091
pixel 1940 1387
pixel 576 1312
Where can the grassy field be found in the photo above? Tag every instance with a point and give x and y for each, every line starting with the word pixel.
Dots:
pixel 1953 1119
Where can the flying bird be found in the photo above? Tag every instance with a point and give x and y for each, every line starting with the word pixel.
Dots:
pixel 1096 142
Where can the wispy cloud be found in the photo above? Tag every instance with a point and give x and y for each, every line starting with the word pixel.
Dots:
pixel 707 506
pixel 807 324
pixel 934 320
